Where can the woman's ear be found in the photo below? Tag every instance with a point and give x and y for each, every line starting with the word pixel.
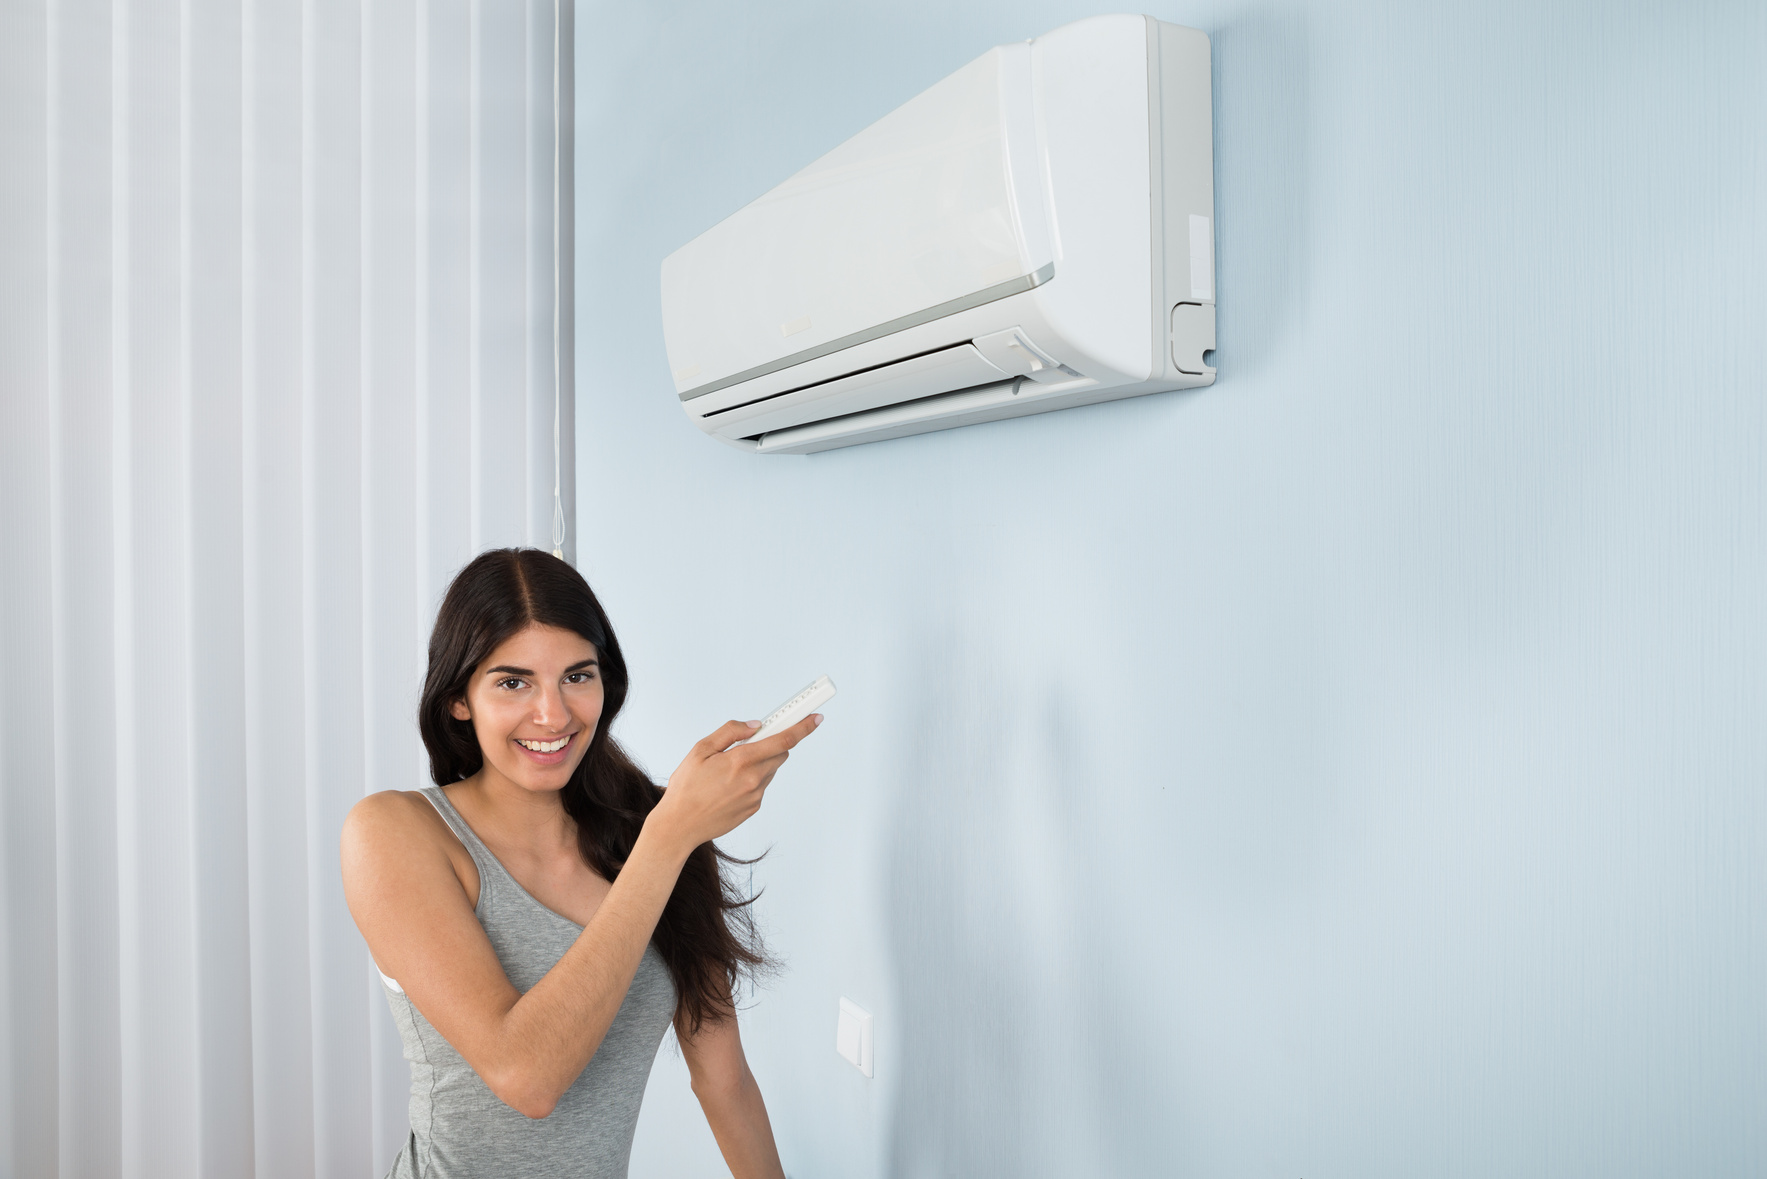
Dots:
pixel 459 711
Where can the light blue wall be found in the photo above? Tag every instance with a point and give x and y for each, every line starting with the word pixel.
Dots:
pixel 1358 768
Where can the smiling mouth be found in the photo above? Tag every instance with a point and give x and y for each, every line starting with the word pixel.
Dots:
pixel 545 746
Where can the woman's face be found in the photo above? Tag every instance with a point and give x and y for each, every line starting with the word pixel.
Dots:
pixel 534 704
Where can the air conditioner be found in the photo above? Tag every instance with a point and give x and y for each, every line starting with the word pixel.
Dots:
pixel 1032 233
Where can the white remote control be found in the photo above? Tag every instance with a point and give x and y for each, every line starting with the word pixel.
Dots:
pixel 820 692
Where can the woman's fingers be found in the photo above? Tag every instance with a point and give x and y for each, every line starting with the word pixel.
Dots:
pixel 717 787
pixel 726 735
pixel 765 757
pixel 730 732
pixel 786 738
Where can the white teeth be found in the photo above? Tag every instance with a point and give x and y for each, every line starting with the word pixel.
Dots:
pixel 544 746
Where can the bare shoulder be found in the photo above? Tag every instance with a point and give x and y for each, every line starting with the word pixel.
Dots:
pixel 390 812
pixel 390 820
pixel 412 889
pixel 399 832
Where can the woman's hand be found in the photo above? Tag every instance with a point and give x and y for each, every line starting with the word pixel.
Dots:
pixel 719 783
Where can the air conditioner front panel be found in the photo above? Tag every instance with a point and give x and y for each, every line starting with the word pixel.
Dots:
pixel 938 202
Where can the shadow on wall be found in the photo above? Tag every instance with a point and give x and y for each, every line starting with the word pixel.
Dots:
pixel 1262 238
pixel 1019 1057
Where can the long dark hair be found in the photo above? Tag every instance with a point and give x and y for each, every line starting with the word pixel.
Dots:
pixel 706 933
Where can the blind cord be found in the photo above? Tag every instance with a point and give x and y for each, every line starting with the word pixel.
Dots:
pixel 557 365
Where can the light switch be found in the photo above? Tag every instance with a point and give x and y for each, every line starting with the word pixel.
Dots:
pixel 852 1036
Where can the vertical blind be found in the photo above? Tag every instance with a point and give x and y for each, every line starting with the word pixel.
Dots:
pixel 286 310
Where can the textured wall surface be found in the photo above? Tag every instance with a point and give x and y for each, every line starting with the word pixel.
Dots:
pixel 1357 768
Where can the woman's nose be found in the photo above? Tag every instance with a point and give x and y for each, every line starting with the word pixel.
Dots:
pixel 549 708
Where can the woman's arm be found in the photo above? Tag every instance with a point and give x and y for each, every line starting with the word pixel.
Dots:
pixel 727 1092
pixel 414 914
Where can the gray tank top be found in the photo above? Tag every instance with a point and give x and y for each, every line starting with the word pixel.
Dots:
pixel 459 1128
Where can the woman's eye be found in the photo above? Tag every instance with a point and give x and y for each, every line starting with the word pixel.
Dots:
pixel 509 684
pixel 579 677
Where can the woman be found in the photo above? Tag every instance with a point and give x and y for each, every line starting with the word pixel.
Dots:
pixel 542 913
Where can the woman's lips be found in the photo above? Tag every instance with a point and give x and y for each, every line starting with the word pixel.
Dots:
pixel 547 759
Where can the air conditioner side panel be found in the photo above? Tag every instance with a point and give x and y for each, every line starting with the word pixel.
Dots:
pixel 1184 151
pixel 1091 86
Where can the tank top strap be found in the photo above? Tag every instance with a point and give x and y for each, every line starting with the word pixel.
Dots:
pixel 492 873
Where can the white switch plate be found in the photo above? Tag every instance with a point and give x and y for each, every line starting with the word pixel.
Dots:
pixel 852 1036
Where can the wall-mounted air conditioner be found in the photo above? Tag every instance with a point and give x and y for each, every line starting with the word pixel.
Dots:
pixel 1032 233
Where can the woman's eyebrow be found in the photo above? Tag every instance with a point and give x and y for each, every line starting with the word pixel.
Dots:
pixel 507 670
